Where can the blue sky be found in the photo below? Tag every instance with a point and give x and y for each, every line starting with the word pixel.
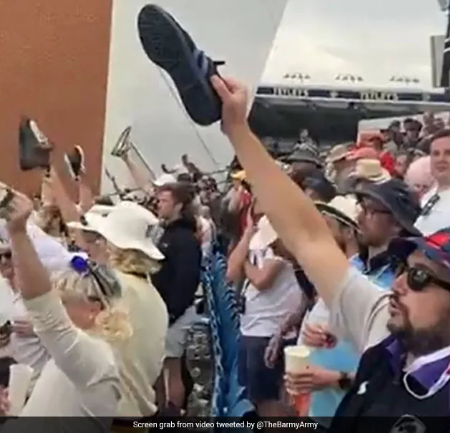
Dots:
pixel 374 39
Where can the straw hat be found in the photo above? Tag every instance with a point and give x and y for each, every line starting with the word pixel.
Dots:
pixel 337 153
pixel 342 208
pixel 362 153
pixel 265 235
pixel 371 170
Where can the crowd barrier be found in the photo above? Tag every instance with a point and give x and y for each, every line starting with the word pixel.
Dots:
pixel 228 397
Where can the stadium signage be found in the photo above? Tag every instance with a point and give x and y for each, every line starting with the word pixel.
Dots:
pixel 371 95
pixel 366 95
pixel 363 95
pixel 293 92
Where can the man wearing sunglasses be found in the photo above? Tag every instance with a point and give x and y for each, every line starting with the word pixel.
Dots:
pixel 403 335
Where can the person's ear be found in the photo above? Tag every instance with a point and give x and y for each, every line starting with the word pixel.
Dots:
pixel 178 207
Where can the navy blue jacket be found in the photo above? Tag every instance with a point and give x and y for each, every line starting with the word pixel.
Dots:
pixel 179 277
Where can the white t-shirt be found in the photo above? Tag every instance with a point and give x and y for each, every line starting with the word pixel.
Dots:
pixel 266 309
pixel 439 215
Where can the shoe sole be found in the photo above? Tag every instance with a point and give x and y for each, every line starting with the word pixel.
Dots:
pixel 170 47
pixel 119 149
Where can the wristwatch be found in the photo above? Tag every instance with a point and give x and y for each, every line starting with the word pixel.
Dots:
pixel 345 382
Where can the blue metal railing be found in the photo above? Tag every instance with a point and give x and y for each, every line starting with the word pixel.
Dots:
pixel 229 398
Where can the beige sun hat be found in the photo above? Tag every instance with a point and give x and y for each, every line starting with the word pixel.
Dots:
pixel 342 208
pixel 264 236
pixel 337 153
pixel 371 170
pixel 129 226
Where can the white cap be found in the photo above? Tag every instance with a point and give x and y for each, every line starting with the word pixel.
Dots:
pixel 164 179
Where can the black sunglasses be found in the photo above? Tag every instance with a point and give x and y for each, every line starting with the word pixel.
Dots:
pixel 419 277
pixel 7 255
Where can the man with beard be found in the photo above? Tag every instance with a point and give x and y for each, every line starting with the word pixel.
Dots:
pixel 387 210
pixel 403 335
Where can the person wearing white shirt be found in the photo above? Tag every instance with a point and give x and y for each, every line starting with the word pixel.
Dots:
pixel 75 318
pixel 270 293
pixel 436 203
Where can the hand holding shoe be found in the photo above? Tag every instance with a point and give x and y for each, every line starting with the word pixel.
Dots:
pixel 234 98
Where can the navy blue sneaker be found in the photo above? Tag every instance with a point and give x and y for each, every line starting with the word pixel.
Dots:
pixel 171 48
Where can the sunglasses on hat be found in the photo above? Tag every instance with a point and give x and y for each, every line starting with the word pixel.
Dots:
pixel 419 277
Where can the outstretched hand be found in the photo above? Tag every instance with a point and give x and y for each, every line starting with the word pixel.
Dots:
pixel 17 213
pixel 234 98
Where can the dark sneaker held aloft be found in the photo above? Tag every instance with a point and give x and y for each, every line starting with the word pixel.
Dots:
pixel 75 162
pixel 170 47
pixel 34 146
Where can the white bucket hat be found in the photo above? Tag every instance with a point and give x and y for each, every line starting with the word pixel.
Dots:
pixel 129 226
pixel 265 236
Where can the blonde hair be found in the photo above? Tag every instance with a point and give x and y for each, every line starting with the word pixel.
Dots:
pixel 112 322
pixel 132 261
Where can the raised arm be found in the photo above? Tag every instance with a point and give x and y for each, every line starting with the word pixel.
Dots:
pixel 35 280
pixel 79 356
pixel 292 214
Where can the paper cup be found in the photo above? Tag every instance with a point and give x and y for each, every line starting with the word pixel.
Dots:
pixel 19 382
pixel 296 358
